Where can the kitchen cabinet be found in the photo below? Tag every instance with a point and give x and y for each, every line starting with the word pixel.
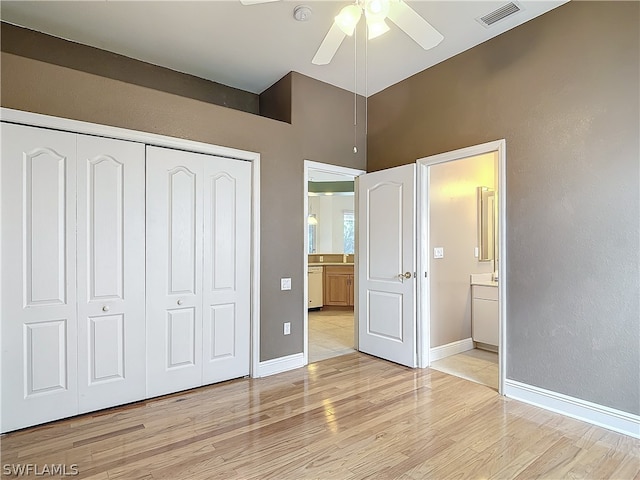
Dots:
pixel 485 314
pixel 338 285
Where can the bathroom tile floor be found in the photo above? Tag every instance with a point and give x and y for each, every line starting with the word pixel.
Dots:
pixel 476 365
pixel 330 334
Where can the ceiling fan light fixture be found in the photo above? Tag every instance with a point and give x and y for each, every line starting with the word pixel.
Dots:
pixel 348 18
pixel 376 28
pixel 376 9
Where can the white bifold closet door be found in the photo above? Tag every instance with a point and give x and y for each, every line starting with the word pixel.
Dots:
pixel 72 303
pixel 198 269
pixel 111 321
pixel 39 318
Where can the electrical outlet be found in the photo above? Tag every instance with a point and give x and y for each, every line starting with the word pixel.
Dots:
pixel 287 328
pixel 438 252
pixel 285 284
pixel 321 258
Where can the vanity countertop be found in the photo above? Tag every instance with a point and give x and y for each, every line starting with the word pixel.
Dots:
pixel 483 279
pixel 485 283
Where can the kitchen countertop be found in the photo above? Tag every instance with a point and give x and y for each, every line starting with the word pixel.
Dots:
pixel 331 264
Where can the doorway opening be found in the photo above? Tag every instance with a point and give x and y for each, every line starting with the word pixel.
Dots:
pixel 462 220
pixel 329 235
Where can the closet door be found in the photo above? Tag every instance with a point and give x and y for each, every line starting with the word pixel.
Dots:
pixel 111 321
pixel 39 322
pixel 227 270
pixel 174 270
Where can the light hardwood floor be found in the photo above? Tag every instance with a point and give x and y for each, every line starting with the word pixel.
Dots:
pixel 330 333
pixel 476 365
pixel 349 417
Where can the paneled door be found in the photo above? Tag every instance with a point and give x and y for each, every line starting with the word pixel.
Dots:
pixel 198 269
pixel 386 278
pixel 111 321
pixel 38 318
pixel 227 269
pixel 174 270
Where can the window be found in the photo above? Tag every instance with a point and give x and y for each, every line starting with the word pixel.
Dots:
pixel 313 234
pixel 348 228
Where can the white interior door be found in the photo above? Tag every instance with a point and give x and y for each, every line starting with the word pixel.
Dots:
pixel 111 322
pixel 174 270
pixel 227 269
pixel 386 264
pixel 39 320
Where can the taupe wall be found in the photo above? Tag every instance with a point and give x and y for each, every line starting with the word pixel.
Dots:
pixel 30 44
pixel 53 89
pixel 453 225
pixel 563 91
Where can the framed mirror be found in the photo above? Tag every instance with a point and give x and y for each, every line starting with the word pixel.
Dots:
pixel 486 224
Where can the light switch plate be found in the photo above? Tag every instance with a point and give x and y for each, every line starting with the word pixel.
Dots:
pixel 438 252
pixel 287 328
pixel 285 284
pixel 476 252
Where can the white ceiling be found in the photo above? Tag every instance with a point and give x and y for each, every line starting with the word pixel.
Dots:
pixel 251 47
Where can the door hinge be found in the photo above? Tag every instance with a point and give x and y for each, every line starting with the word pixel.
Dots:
pixel 425 274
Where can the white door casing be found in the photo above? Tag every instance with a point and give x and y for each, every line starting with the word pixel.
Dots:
pixel 386 266
pixel 110 233
pixel 39 320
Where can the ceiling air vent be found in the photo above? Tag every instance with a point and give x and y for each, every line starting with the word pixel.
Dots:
pixel 501 13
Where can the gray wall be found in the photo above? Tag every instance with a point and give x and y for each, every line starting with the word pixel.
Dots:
pixel 563 91
pixel 73 91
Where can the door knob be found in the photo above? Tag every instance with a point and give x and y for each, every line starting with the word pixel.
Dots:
pixel 105 308
pixel 179 302
pixel 404 275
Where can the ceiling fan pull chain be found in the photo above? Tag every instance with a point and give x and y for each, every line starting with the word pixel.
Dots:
pixel 355 90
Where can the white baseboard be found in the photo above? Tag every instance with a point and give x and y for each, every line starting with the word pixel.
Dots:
pixel 279 365
pixel 612 419
pixel 436 353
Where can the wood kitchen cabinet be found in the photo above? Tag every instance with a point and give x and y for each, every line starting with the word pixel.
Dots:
pixel 338 285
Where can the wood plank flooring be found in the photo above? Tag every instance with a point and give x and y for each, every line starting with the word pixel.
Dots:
pixel 349 417
pixel 476 365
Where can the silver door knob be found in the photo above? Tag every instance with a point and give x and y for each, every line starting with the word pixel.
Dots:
pixel 179 302
pixel 105 308
pixel 404 275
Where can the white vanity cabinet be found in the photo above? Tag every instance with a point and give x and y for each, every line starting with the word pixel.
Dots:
pixel 485 314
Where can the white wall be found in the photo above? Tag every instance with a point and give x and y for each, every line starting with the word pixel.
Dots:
pixel 329 213
pixel 453 226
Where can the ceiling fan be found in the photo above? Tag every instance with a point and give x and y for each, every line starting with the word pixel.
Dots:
pixel 376 13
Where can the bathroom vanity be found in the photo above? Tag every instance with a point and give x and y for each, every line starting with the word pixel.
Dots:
pixel 485 316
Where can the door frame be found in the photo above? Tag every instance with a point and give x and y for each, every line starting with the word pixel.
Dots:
pixel 424 279
pixel 87 128
pixel 338 170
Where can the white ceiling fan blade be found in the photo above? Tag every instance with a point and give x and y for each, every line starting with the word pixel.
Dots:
pixel 414 25
pixel 255 2
pixel 329 45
